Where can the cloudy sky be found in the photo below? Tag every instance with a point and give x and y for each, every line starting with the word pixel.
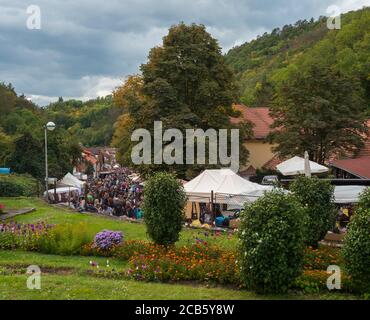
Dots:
pixel 85 48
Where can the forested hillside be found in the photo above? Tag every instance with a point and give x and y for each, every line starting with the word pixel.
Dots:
pixel 22 138
pixel 259 64
pixel 91 121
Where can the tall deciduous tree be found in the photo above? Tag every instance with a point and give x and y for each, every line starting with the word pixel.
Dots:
pixel 185 84
pixel 318 109
pixel 27 156
pixel 6 147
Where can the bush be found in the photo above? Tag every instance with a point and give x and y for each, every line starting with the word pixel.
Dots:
pixel 163 208
pixel 356 250
pixel 2 208
pixel 106 239
pixel 17 185
pixel 316 196
pixel 271 242
pixel 65 239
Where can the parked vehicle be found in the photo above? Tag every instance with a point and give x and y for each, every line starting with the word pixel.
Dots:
pixel 270 180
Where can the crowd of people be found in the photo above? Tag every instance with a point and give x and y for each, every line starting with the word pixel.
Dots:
pixel 113 194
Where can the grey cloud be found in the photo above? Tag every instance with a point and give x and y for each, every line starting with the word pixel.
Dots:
pixel 94 39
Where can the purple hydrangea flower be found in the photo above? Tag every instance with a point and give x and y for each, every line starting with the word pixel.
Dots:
pixel 106 239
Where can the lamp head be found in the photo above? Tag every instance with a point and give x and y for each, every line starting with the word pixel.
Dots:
pixel 50 126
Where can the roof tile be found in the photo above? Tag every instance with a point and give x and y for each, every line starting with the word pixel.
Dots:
pixel 259 117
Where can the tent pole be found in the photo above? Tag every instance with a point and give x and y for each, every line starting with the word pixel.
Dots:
pixel 55 192
pixel 212 206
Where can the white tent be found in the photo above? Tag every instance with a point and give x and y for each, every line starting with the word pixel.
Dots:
pixel 227 186
pixel 70 180
pixel 62 190
pixel 296 166
pixel 58 191
pixel 348 194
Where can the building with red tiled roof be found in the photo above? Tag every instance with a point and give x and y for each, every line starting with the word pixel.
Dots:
pixel 260 150
pixel 352 168
pixel 259 117
pixel 355 167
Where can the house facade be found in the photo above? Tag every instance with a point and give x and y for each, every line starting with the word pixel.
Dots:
pixel 260 150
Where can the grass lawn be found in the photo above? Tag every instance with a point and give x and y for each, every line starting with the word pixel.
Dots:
pixel 67 278
pixel 71 278
pixel 132 231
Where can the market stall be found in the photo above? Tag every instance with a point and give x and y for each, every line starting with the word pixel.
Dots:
pixel 221 187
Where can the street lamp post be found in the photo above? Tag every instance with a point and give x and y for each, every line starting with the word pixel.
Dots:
pixel 49 126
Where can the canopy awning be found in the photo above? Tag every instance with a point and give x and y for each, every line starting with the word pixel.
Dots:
pixel 296 166
pixel 348 194
pixel 63 190
pixel 225 185
pixel 70 180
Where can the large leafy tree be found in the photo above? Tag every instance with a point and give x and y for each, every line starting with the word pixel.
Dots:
pixel 6 147
pixel 318 109
pixel 27 156
pixel 185 84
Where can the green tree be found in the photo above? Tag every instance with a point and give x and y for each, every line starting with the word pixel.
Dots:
pixel 63 153
pixel 27 156
pixel 319 110
pixel 356 250
pixel 163 208
pixel 8 99
pixel 271 242
pixel 185 84
pixel 316 196
pixel 6 147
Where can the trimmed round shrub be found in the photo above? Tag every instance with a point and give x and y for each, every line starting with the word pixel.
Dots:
pixel 317 197
pixel 107 239
pixel 164 202
pixel 356 250
pixel 271 242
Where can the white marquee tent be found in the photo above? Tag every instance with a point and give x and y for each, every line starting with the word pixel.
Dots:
pixel 62 190
pixel 296 166
pixel 226 185
pixel 70 180
pixel 348 194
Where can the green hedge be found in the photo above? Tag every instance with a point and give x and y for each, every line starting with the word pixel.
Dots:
pixel 271 242
pixel 17 185
pixel 356 250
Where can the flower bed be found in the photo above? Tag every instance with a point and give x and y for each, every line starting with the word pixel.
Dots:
pixel 197 262
pixel 321 258
pixel 22 236
pixel 314 281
